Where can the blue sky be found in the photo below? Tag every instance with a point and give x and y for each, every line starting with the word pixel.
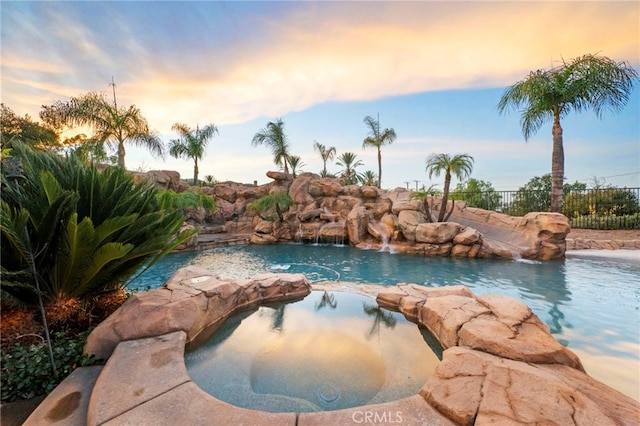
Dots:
pixel 434 71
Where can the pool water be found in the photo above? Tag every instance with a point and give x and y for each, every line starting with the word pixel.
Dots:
pixel 329 351
pixel 592 306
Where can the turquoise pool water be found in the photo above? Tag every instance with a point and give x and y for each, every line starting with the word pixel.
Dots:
pixel 592 306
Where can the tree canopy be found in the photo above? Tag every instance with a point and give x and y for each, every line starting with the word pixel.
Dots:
pixel 377 139
pixel 326 153
pixel 275 138
pixel 191 144
pixel 24 129
pixel 348 162
pixel 112 125
pixel 588 82
pixel 459 165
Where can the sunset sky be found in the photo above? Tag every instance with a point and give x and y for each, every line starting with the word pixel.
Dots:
pixel 433 71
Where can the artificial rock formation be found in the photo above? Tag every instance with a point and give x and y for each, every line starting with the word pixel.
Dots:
pixel 192 300
pixel 328 212
pixel 500 364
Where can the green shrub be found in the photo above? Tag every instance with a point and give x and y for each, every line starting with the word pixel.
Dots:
pixel 26 370
pixel 88 231
pixel 265 206
pixel 610 222
pixel 181 201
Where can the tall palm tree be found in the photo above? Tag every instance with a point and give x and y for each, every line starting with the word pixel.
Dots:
pixel 349 163
pixel 192 143
pixel 587 82
pixel 326 154
pixel 274 136
pixel 377 139
pixel 112 125
pixel 296 164
pixel 460 165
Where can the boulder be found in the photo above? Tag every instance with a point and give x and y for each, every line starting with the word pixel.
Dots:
pixel 333 232
pixel 437 233
pixel 225 192
pixel 309 230
pixel 357 224
pixel 371 192
pixel 310 214
pixel 352 191
pixel 401 201
pixel 190 301
pixel 325 187
pixel 263 239
pixel 379 208
pixel 263 227
pixel 251 193
pixel 408 221
pixel 472 387
pixel 299 189
pixel 444 316
pixel 468 236
pixel 344 204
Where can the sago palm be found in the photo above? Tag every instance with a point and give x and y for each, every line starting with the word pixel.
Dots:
pixel 192 143
pixel 377 139
pixel 460 165
pixel 112 125
pixel 275 138
pixel 587 82
pixel 326 154
pixel 89 231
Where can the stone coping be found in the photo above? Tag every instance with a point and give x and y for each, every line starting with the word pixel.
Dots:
pixel 589 244
pixel 500 363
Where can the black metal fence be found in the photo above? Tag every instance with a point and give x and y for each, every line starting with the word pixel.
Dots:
pixel 608 208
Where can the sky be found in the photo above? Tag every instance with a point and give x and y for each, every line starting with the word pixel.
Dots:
pixel 432 71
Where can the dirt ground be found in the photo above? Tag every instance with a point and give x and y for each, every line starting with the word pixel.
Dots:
pixel 594 234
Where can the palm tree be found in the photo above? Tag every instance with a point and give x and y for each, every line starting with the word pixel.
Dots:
pixel 296 164
pixel 326 154
pixel 368 178
pixel 377 139
pixel 349 163
pixel 460 165
pixel 192 143
pixel 278 201
pixel 112 125
pixel 587 82
pixel 273 135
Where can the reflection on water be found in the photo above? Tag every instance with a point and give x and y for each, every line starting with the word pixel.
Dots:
pixel 380 316
pixel 591 306
pixel 327 367
pixel 302 359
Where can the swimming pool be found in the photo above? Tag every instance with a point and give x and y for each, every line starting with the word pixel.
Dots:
pixel 592 306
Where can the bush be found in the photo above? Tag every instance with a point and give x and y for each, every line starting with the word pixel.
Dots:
pixel 182 201
pixel 610 222
pixel 26 370
pixel 88 231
